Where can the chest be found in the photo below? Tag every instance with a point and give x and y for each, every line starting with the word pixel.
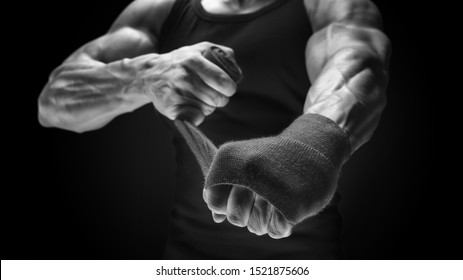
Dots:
pixel 234 7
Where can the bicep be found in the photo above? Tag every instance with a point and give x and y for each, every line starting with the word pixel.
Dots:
pixel 368 45
pixel 321 13
pixel 347 61
pixel 125 42
pixel 135 32
pixel 345 25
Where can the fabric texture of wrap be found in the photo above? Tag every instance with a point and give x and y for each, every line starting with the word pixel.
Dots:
pixel 295 171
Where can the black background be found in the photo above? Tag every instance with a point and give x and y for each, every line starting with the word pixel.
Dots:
pixel 106 194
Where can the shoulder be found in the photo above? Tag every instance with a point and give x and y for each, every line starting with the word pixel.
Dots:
pixel 323 12
pixel 148 15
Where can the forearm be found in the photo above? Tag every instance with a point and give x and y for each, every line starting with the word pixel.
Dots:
pixel 86 94
pixel 350 88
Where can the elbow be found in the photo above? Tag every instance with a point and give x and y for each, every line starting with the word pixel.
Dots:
pixel 50 116
pixel 46 111
pixel 51 122
pixel 43 119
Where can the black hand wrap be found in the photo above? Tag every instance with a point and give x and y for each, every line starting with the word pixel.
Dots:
pixel 296 171
pixel 225 61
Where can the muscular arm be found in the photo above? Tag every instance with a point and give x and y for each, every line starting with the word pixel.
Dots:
pixel 347 61
pixel 93 85
pixel 280 181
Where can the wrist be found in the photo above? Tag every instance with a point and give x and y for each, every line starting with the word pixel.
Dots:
pixel 142 76
pixel 322 135
pixel 358 118
pixel 297 177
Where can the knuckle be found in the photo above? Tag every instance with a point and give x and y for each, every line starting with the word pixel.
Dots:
pixel 169 107
pixel 236 219
pixel 215 208
pixel 186 58
pixel 229 51
pixel 208 110
pixel 206 98
pixel 256 227
pixel 228 85
pixel 255 231
pixel 286 233
pixel 279 231
pixel 259 233
pixel 225 101
pixel 273 230
pixel 205 43
pixel 218 218
pixel 251 230
pixel 275 233
pixel 216 99
pixel 223 86
pixel 181 75
pixel 193 57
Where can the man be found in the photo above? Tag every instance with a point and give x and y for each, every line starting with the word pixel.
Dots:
pixel 316 69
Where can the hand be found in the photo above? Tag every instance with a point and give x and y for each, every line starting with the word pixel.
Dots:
pixel 183 83
pixel 241 206
pixel 295 172
pixel 244 208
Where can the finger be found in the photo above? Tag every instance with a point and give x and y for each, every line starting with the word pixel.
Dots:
pixel 278 226
pixel 188 113
pixel 239 206
pixel 224 60
pixel 218 218
pixel 203 46
pixel 205 93
pixel 212 75
pixel 260 216
pixel 217 198
pixel 186 97
pixel 186 106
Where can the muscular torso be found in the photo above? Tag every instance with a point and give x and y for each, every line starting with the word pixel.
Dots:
pixel 130 66
pixel 220 7
pixel 268 99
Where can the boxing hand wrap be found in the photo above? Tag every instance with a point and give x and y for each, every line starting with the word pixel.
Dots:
pixel 203 149
pixel 296 171
pixel 225 61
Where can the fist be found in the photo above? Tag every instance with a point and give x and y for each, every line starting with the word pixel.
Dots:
pixel 244 208
pixel 183 84
pixel 295 172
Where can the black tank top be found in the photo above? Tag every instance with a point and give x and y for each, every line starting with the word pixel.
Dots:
pixel 269 46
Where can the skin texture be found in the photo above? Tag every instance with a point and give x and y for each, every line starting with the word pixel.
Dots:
pixel 346 58
pixel 121 71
